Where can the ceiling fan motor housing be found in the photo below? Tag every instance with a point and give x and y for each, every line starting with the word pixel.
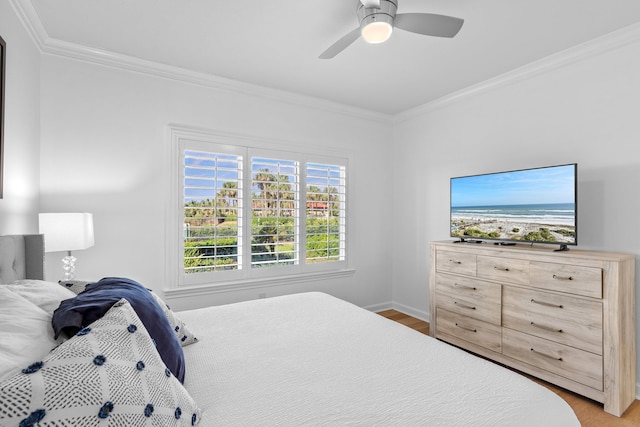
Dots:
pixel 385 13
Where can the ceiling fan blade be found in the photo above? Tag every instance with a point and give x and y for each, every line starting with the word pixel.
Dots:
pixel 429 24
pixel 341 44
pixel 371 3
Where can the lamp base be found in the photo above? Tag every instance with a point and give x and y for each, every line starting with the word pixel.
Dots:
pixel 69 266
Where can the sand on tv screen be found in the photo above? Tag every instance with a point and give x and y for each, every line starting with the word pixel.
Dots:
pixel 531 205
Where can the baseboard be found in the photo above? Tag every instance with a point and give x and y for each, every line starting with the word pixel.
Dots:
pixel 419 314
pixel 379 307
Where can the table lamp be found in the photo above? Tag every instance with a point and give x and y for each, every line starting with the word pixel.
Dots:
pixel 67 232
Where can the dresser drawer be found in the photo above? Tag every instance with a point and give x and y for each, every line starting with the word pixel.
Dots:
pixel 573 279
pixel 573 321
pixel 472 330
pixel 455 262
pixel 514 271
pixel 469 297
pixel 577 365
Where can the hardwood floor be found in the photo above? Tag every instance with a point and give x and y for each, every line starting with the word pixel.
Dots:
pixel 589 412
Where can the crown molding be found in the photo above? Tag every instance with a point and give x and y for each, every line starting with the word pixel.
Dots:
pixel 137 65
pixel 47 45
pixel 590 49
pixel 30 20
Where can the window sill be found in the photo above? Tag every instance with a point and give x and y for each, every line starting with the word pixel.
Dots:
pixel 212 288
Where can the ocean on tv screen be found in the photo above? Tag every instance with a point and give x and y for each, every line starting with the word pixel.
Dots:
pixel 548 223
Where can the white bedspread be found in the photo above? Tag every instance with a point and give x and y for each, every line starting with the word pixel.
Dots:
pixel 314 360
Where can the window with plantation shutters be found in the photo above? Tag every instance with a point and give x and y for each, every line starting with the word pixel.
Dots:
pixel 247 213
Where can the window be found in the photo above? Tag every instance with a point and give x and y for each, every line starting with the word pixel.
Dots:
pixel 249 213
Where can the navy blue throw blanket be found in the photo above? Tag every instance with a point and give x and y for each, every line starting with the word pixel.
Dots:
pixel 97 298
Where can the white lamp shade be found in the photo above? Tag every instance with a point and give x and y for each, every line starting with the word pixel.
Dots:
pixel 66 231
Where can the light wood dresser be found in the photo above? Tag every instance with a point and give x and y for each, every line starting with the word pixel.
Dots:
pixel 565 317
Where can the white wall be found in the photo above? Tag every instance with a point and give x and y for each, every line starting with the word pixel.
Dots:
pixel 19 206
pixel 586 112
pixel 104 139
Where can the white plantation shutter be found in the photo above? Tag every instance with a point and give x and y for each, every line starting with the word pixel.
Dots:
pixel 325 213
pixel 275 215
pixel 212 221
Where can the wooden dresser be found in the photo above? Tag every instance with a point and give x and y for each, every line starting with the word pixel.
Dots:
pixel 565 317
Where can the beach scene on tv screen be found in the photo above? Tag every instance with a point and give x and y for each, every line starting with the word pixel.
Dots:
pixel 536 205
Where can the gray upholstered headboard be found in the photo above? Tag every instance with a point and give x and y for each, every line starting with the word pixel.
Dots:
pixel 21 257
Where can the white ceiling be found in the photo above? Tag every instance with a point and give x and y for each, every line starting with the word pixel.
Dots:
pixel 276 43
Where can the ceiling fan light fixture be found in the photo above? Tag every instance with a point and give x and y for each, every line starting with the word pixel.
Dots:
pixel 376 23
pixel 377 19
pixel 376 32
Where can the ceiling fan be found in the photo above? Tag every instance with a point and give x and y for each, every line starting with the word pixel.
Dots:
pixel 378 18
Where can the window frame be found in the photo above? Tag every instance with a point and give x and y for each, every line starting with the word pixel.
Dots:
pixel 248 147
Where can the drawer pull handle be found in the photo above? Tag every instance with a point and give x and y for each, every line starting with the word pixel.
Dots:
pixel 501 268
pixel 547 355
pixel 455 262
pixel 466 329
pixel 562 277
pixel 470 307
pixel 471 288
pixel 548 304
pixel 546 328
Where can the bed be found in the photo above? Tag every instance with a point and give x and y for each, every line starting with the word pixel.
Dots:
pixel 306 359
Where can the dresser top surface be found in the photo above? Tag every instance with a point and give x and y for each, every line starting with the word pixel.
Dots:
pixel 527 250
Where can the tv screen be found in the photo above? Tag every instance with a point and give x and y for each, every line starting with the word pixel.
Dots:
pixel 531 205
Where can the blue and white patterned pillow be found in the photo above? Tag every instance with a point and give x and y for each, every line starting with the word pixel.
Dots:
pixel 109 373
pixel 184 334
pixel 75 286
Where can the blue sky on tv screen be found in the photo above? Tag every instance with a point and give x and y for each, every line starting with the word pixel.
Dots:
pixel 548 185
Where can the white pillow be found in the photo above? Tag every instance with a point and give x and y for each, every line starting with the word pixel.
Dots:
pixel 110 373
pixel 46 295
pixel 26 333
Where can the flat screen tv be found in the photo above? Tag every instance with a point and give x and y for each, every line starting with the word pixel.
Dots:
pixel 536 205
